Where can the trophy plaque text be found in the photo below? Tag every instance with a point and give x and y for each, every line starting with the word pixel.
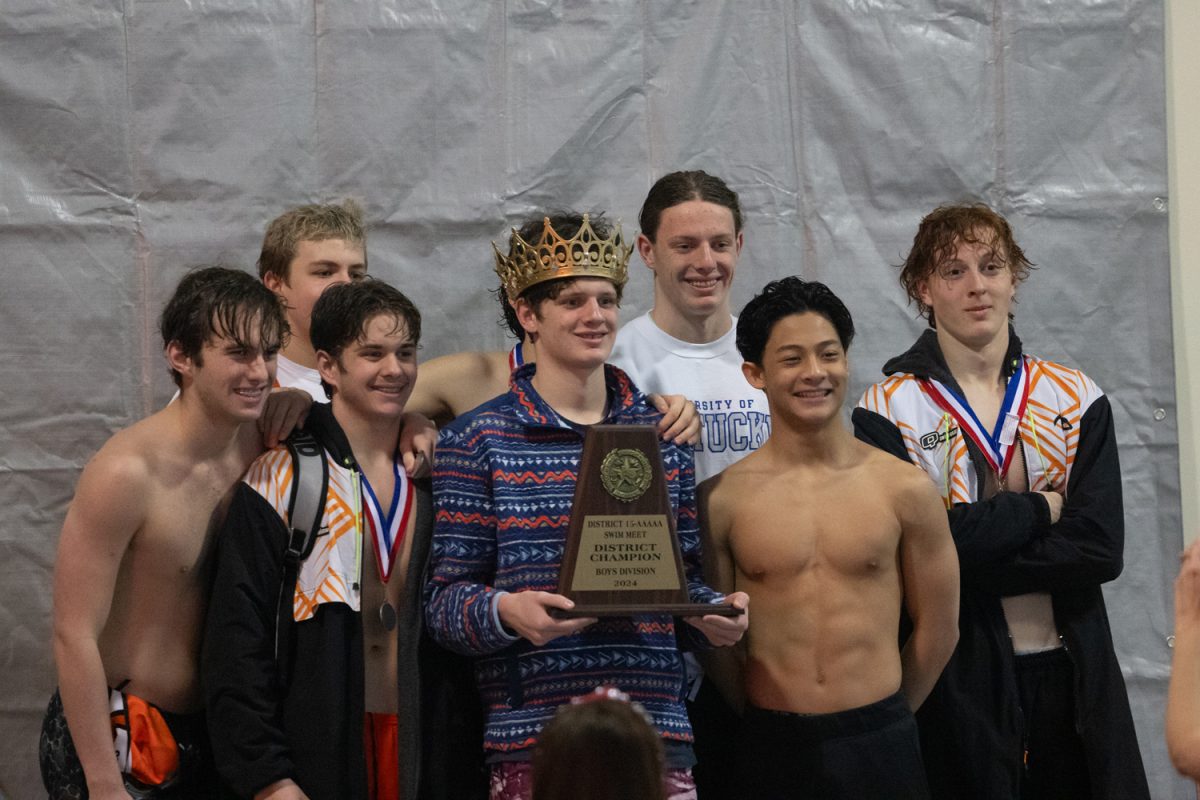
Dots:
pixel 622 555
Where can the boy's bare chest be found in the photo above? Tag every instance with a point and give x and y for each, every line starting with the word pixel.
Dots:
pixel 985 402
pixel 849 526
pixel 184 510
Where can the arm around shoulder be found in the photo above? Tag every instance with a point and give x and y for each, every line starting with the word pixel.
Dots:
pixel 453 384
pixel 680 422
pixel 429 396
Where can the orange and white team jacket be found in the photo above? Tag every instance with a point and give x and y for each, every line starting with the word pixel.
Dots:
pixel 1058 397
pixel 330 573
pixel 972 725
pixel 286 690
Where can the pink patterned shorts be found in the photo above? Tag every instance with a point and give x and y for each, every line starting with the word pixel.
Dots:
pixel 513 780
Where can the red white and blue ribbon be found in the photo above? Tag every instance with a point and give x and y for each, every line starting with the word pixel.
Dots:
pixel 516 357
pixel 387 531
pixel 997 445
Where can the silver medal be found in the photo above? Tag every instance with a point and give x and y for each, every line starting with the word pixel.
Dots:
pixel 387 616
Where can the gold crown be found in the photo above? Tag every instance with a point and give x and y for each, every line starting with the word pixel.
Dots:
pixel 585 255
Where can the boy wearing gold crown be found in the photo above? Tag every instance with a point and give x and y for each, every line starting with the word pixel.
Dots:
pixel 453 384
pixel 504 480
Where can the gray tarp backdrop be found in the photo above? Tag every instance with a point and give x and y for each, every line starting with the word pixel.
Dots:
pixel 140 137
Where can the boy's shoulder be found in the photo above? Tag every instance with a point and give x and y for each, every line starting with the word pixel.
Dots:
pixel 499 411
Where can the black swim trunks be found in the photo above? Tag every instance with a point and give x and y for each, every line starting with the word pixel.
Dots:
pixel 867 752
pixel 62 774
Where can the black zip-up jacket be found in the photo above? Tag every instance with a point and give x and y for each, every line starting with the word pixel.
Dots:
pixel 303 718
pixel 971 725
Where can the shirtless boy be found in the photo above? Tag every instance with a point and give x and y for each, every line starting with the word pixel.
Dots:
pixel 830 540
pixel 131 579
pixel 316 716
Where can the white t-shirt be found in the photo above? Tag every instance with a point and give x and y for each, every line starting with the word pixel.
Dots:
pixel 291 375
pixel 733 414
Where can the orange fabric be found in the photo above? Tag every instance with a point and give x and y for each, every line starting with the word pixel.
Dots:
pixel 153 753
pixel 381 745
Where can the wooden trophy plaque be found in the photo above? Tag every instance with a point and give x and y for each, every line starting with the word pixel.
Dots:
pixel 622 555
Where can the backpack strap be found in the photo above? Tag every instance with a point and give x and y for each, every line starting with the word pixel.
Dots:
pixel 306 505
pixel 306 509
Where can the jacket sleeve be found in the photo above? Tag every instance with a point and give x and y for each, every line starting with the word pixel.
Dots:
pixel 460 601
pixel 680 463
pixel 986 532
pixel 1085 548
pixel 238 668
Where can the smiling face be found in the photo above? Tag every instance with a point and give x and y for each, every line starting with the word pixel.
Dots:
pixel 693 256
pixel 971 292
pixel 229 378
pixel 803 371
pixel 316 266
pixel 374 375
pixel 576 328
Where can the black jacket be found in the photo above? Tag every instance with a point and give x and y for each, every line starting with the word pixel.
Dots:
pixel 303 718
pixel 971 726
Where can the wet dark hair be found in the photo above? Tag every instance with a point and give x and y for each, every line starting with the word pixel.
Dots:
pixel 218 301
pixel 937 239
pixel 342 312
pixel 680 187
pixel 598 750
pixel 782 298
pixel 566 224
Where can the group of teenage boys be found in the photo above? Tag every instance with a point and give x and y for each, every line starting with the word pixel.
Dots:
pixel 229 630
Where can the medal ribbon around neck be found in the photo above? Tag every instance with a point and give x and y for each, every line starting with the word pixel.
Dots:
pixel 388 531
pixel 516 357
pixel 997 446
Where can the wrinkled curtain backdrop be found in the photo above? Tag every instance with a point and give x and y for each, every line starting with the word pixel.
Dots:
pixel 140 137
